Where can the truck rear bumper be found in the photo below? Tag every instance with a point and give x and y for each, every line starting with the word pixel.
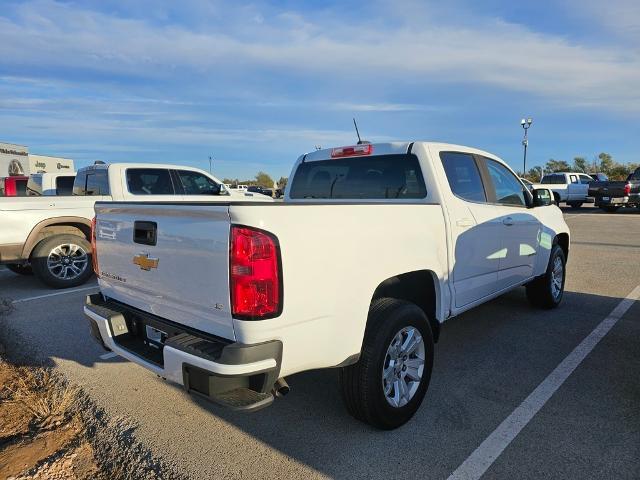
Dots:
pixel 234 375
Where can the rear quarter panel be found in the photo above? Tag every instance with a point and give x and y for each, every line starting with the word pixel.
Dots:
pixel 333 258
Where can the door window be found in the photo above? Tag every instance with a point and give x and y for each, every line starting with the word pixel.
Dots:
pixel 508 190
pixel 585 179
pixel 463 176
pixel 149 181
pixel 195 183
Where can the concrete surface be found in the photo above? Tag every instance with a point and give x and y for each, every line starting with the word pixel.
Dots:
pixel 487 361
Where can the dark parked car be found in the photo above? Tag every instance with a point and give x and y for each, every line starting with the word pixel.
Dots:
pixel 610 196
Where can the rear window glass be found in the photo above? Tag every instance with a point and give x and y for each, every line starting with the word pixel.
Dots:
pixel 463 176
pixel 21 188
pixel 64 185
pixel 377 177
pixel 91 182
pixel 553 180
pixel 149 181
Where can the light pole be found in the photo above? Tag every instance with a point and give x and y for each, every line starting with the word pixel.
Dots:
pixel 210 162
pixel 526 123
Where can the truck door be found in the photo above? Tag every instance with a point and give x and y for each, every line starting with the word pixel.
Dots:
pixel 519 228
pixel 475 230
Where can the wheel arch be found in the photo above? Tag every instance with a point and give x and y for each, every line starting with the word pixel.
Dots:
pixel 563 240
pixel 420 287
pixel 56 226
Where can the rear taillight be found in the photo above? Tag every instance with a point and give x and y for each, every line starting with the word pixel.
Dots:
pixel 255 278
pixel 627 190
pixel 10 189
pixel 94 252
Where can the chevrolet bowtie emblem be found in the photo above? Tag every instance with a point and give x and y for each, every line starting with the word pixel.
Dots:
pixel 144 262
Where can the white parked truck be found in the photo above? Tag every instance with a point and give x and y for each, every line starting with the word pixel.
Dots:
pixel 50 184
pixel 374 247
pixel 49 235
pixel 568 187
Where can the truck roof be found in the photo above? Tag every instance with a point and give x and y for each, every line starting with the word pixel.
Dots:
pixel 389 148
pixel 102 166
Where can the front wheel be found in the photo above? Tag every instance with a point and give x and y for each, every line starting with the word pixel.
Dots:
pixel 547 291
pixel 386 387
pixel 62 261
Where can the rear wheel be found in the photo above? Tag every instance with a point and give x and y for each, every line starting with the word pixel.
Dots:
pixel 386 387
pixel 62 261
pixel 20 269
pixel 547 291
pixel 556 198
pixel 610 209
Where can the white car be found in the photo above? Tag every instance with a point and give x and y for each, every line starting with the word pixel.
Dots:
pixel 49 235
pixel 568 187
pixel 374 246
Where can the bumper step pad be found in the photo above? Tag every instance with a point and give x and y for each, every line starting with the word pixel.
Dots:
pixel 243 399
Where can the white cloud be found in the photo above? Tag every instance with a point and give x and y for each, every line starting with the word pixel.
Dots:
pixel 56 38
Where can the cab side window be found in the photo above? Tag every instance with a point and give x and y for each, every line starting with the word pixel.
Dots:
pixel 508 189
pixel 463 176
pixel 585 179
pixel 195 183
pixel 149 181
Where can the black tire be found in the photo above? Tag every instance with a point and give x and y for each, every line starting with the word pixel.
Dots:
pixel 41 254
pixel 575 205
pixel 556 198
pixel 362 384
pixel 540 292
pixel 610 209
pixel 20 269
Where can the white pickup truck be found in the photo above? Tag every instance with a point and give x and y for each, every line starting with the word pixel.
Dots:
pixel 373 248
pixel 568 187
pixel 49 235
pixel 50 184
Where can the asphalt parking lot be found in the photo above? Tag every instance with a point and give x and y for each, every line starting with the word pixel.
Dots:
pixel 488 361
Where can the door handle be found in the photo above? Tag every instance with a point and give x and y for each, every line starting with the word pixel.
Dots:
pixel 465 223
pixel 508 221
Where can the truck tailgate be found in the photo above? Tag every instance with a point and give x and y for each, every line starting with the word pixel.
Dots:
pixel 167 259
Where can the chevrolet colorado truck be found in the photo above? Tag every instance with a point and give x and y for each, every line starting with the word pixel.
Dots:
pixel 373 247
pixel 611 195
pixel 50 235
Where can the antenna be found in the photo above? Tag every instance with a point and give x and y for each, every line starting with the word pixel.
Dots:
pixel 357 132
pixel 360 141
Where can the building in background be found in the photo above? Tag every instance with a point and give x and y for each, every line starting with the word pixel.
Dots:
pixel 16 160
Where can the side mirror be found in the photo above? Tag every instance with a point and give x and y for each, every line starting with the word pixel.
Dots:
pixel 542 197
pixel 222 190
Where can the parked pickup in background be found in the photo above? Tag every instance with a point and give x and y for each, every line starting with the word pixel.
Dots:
pixel 374 246
pixel 610 196
pixel 568 187
pixel 50 235
pixel 50 184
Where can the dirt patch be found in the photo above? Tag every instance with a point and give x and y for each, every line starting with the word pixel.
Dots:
pixel 42 434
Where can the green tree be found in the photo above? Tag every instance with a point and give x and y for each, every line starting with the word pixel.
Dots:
pixel 606 162
pixel 580 165
pixel 264 180
pixel 556 166
pixel 534 174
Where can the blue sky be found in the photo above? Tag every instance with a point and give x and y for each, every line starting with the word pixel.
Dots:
pixel 256 84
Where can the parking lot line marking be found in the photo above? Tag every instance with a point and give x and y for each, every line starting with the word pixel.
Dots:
pixel 37 297
pixel 492 447
pixel 108 355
